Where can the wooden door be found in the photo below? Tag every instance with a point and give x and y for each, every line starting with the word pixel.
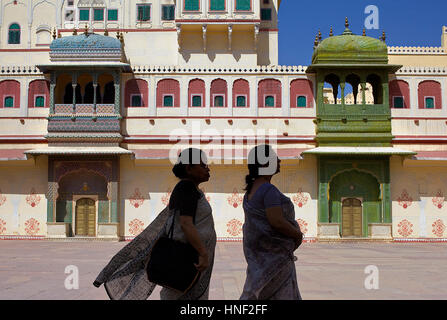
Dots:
pixel 352 218
pixel 86 218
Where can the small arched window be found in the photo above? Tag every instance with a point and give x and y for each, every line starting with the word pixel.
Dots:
pixel 14 34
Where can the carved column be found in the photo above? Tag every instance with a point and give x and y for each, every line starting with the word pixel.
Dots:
pixel 204 29
pixel 95 86
pixel 52 92
pixel 117 83
pixel 230 33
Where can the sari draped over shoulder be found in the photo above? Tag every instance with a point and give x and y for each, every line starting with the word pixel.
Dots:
pixel 271 273
pixel 125 278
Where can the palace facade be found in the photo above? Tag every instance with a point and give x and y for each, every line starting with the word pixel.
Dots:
pixel 97 97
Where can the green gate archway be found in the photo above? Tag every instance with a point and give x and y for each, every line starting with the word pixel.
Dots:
pixel 359 185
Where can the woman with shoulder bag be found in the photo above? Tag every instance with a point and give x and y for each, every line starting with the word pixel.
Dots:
pixel 188 218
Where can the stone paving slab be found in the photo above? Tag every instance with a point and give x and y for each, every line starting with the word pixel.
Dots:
pixel 31 270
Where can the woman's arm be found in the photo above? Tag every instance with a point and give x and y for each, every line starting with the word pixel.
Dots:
pixel 192 236
pixel 276 219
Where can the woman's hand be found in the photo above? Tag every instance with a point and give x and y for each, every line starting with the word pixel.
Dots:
pixel 203 262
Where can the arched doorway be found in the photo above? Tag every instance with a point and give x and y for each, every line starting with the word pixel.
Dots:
pixel 85 224
pixel 352 212
pixel 355 201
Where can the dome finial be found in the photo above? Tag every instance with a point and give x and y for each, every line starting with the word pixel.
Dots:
pixel 383 38
pixel 346 22
pixel 54 33
pixel 331 33
pixel 106 32
pixel 86 30
pixel 75 32
pixel 364 32
pixel 316 42
pixel 319 35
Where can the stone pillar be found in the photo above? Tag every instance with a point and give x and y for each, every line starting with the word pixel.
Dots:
pixel 285 83
pixel 52 92
pixel 95 86
pixel 230 96
pixel 74 83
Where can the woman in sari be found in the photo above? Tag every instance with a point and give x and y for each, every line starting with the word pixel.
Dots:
pixel 125 276
pixel 271 234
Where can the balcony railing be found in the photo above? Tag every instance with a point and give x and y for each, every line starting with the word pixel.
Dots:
pixel 84 109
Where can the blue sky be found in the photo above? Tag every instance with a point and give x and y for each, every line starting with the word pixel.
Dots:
pixel 406 23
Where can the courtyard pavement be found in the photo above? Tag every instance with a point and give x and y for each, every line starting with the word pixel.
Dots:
pixel 32 270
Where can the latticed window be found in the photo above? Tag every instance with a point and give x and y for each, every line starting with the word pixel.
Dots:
pixel 218 101
pixel 301 102
pixel 14 34
pixel 429 103
pixel 398 102
pixel 112 15
pixel 196 101
pixel 137 101
pixel 84 14
pixel 192 5
pixel 39 101
pixel 144 12
pixel 217 5
pixel 266 14
pixel 168 101
pixel 98 14
pixel 269 101
pixel 241 101
pixel 243 5
pixel 168 12
pixel 9 102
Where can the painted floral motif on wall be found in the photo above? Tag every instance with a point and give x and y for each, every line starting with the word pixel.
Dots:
pixel 405 200
pixel 235 200
pixel 438 201
pixel 32 227
pixel 2 226
pixel 166 197
pixel 137 199
pixel 33 199
pixel 234 227
pixel 405 228
pixel 2 198
pixel 438 228
pixel 136 227
pixel 303 225
pixel 300 199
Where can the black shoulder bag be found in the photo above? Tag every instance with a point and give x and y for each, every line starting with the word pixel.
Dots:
pixel 171 263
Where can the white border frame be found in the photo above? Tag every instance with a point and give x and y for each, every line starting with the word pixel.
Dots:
pixel 150 12
pixel 296 101
pixel 434 102
pixel 13 101
pixel 196 95
pixel 44 100
pixel 219 95
pixel 246 100
pixel 268 95
pixel 163 100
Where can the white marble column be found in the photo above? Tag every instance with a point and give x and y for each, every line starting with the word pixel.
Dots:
pixel 285 92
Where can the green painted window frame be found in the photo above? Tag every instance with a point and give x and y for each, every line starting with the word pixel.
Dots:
pixel 39 101
pixel 430 103
pixel 217 5
pixel 98 14
pixel 136 100
pixel 398 102
pixel 266 14
pixel 168 100
pixel 191 5
pixel 241 101
pixel 301 102
pixel 143 12
pixel 243 5
pixel 196 101
pixel 168 12
pixel 84 14
pixel 9 102
pixel 112 14
pixel 14 33
pixel 219 101
pixel 269 101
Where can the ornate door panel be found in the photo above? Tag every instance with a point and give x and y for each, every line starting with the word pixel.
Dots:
pixel 85 218
pixel 352 218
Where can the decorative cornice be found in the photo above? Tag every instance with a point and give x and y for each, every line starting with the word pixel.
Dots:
pixel 416 50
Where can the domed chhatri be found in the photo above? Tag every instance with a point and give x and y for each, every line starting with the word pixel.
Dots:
pixel 350 49
pixel 88 46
